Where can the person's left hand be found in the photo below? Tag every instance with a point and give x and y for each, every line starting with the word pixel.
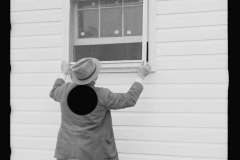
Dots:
pixel 65 67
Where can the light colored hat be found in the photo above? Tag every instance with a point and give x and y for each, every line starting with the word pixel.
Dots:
pixel 85 70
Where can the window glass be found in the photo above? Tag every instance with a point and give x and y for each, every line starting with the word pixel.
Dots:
pixel 132 2
pixel 104 19
pixel 133 18
pixel 88 23
pixel 87 4
pixel 111 22
pixel 111 3
pixel 109 52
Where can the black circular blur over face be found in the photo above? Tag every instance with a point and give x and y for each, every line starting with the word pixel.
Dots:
pixel 82 100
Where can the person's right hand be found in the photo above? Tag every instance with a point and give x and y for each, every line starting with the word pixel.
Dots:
pixel 144 70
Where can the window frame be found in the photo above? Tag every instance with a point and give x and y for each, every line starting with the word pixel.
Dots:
pixel 149 35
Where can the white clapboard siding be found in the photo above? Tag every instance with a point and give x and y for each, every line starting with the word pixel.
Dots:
pixel 192 19
pixel 186 6
pixel 32 54
pixel 23 5
pixel 192 48
pixel 36 41
pixel 192 34
pixel 36 16
pixel 150 91
pixel 164 134
pixel 47 66
pixel 193 62
pixel 140 147
pixel 175 149
pixel 169 62
pixel 127 156
pixel 30 154
pixel 205 76
pixel 31 29
pixel 163 105
pixel 136 119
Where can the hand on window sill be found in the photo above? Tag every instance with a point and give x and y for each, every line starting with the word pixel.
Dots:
pixel 65 67
pixel 144 70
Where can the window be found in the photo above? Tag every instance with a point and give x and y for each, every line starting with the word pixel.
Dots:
pixel 113 31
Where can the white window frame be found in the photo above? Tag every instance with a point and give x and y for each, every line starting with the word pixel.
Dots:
pixel 149 35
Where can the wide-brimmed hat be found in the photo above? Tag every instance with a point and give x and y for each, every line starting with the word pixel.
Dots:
pixel 85 70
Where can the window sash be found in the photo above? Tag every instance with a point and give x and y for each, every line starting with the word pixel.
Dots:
pixel 112 40
pixel 102 7
pixel 75 27
pixel 107 40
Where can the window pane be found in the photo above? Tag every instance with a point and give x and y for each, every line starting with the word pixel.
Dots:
pixel 87 4
pixel 111 22
pixel 111 3
pixel 109 52
pixel 133 17
pixel 132 2
pixel 88 22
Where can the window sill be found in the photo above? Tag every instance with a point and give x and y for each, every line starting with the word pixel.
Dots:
pixel 119 66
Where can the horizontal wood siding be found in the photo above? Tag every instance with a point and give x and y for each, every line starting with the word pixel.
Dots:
pixel 36 54
pixel 36 154
pixel 165 134
pixel 138 147
pixel 206 47
pixel 130 119
pixel 163 63
pixel 187 6
pixel 150 91
pixel 43 41
pixel 36 16
pixel 159 105
pixel 30 5
pixel 34 29
pixel 36 35
pixel 182 111
pixel 192 34
pixel 192 19
pixel 197 76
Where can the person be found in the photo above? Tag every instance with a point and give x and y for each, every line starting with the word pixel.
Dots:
pixel 90 136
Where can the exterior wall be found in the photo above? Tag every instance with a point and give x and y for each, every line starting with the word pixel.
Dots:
pixel 182 112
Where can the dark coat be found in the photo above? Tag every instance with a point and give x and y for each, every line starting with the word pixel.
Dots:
pixel 90 137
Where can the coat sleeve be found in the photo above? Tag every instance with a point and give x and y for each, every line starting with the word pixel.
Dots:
pixel 57 90
pixel 123 100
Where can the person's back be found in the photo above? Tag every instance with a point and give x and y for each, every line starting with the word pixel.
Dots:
pixel 90 136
